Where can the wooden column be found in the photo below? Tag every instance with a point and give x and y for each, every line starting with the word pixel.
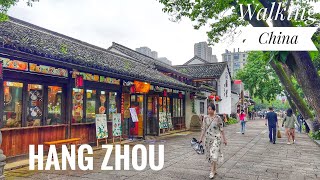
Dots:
pixel 1 96
pixel 68 104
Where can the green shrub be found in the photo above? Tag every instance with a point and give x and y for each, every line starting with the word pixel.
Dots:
pixel 232 121
pixel 315 135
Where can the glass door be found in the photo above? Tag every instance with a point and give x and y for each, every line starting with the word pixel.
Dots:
pixel 152 116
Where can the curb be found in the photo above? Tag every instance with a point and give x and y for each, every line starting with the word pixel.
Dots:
pixel 317 142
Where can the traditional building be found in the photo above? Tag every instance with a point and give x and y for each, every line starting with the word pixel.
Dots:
pixel 211 79
pixel 53 87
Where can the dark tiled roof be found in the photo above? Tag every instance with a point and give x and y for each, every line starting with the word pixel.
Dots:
pixel 146 59
pixel 25 37
pixel 195 58
pixel 208 70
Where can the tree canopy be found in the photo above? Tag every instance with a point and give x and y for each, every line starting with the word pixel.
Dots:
pixel 6 4
pixel 259 78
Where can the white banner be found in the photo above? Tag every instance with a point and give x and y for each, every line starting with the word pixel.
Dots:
pixel 276 38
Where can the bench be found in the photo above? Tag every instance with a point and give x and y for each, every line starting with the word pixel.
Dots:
pixel 64 141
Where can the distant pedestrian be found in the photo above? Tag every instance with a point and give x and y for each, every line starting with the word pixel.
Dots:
pixel 242 118
pixel 213 131
pixel 288 123
pixel 272 122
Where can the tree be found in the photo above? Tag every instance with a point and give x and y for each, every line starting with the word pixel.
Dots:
pixel 6 4
pixel 259 78
pixel 223 17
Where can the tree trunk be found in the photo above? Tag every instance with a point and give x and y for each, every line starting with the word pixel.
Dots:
pixel 300 64
pixel 286 82
pixel 292 105
pixel 307 77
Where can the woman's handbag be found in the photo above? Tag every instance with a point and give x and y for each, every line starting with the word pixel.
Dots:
pixel 279 134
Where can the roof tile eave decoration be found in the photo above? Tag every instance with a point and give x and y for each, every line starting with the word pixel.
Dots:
pixel 208 70
pixel 25 37
pixel 145 59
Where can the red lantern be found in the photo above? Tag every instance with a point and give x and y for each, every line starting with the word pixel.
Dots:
pixel 79 81
pixel 165 93
pixel 180 95
pixel 133 89
pixel 217 98
pixel 211 97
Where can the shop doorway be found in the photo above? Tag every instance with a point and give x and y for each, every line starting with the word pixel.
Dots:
pixel 136 128
pixel 152 116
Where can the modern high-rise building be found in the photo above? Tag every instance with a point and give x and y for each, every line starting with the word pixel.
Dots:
pixel 165 60
pixel 236 60
pixel 203 51
pixel 154 54
pixel 145 51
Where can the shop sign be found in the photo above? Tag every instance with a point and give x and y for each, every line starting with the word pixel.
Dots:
pixel 134 115
pixel 101 126
pixel 163 123
pixel 109 80
pixel 48 70
pixel 14 64
pixel 141 87
pixel 116 124
pixel 79 81
pixel 95 78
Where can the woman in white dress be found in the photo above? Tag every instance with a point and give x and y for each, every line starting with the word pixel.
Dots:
pixel 212 129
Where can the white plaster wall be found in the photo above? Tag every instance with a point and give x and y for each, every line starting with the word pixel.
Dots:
pixel 224 91
pixel 188 106
pixel 234 101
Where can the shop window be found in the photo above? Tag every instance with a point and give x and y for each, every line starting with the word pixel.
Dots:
pixel 201 107
pixel 91 105
pixel 34 105
pixel 112 104
pixel 77 104
pixel 12 104
pixel 160 104
pixel 168 105
pixel 54 105
pixel 102 101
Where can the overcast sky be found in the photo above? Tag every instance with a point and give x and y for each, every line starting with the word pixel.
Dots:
pixel 132 23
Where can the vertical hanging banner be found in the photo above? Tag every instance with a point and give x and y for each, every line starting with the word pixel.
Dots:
pixel 134 115
pixel 101 126
pixel 116 124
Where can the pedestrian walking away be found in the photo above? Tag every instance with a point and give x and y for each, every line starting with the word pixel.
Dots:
pixel 288 123
pixel 272 123
pixel 242 117
pixel 213 131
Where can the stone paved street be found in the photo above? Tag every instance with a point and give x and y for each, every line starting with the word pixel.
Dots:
pixel 248 156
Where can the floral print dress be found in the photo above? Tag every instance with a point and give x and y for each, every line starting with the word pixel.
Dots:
pixel 212 127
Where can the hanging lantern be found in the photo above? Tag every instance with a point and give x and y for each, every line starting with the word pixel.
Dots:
pixel 211 97
pixel 133 89
pixel 79 81
pixel 165 93
pixel 217 98
pixel 180 95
